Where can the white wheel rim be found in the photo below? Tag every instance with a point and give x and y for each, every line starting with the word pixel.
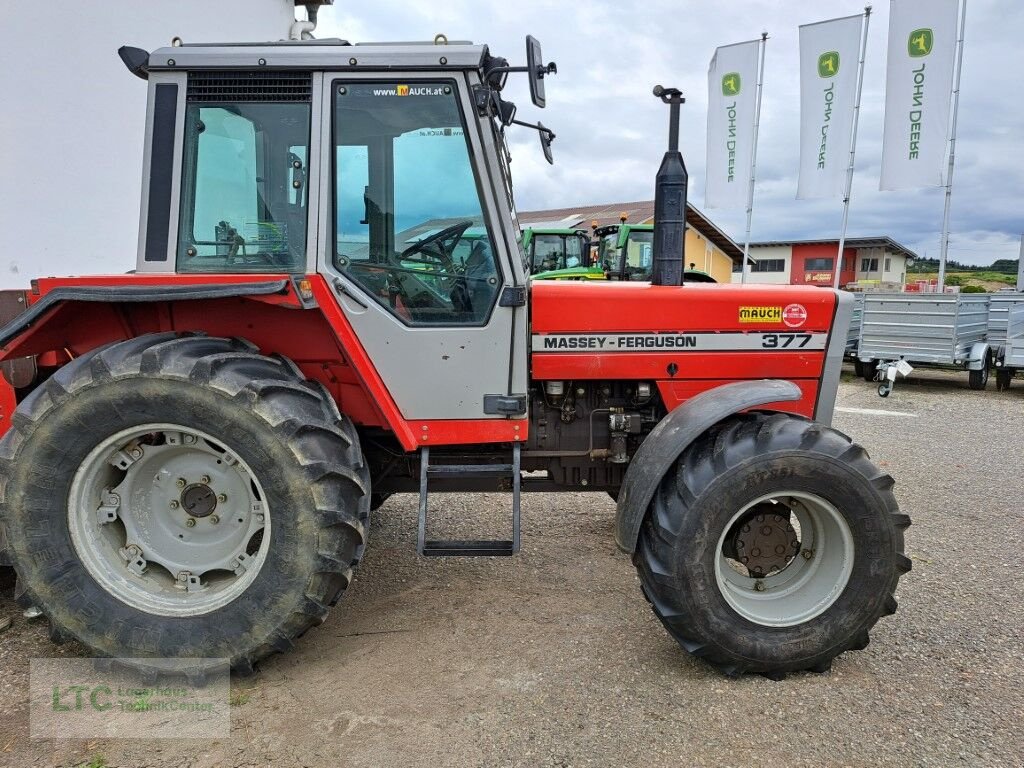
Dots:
pixel 169 520
pixel 809 583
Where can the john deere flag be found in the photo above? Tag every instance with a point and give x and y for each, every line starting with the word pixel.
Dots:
pixel 918 85
pixel 829 56
pixel 732 100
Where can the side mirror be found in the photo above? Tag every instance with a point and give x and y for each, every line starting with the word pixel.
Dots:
pixel 537 69
pixel 546 137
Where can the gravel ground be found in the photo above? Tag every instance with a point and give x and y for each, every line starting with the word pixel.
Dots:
pixel 553 657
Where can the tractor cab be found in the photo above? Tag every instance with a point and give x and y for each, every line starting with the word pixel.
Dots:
pixel 559 253
pixel 624 252
pixel 382 168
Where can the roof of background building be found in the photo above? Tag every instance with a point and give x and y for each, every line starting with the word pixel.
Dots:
pixel 851 242
pixel 636 212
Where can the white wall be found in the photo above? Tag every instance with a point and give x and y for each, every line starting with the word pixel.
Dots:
pixel 72 121
pixel 760 252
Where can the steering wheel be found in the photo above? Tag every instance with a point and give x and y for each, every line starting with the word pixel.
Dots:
pixel 438 239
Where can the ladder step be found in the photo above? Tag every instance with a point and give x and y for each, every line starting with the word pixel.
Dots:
pixel 470 469
pixel 468 548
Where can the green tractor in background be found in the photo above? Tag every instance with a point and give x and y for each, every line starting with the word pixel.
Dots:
pixel 558 253
pixel 624 252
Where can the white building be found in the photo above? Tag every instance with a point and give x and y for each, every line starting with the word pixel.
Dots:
pixel 867 262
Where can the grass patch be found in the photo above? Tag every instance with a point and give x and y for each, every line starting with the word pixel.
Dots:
pixel 239 698
pixel 96 762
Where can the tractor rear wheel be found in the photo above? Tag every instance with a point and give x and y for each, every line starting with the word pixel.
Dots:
pixel 200 501
pixel 772 546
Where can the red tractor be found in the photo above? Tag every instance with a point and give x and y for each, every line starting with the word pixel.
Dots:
pixel 192 451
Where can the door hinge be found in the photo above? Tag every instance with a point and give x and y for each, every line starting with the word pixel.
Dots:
pixel 513 296
pixel 505 405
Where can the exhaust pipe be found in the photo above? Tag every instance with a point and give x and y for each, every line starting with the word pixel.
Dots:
pixel 670 200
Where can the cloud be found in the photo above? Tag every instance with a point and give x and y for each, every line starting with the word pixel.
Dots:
pixel 612 131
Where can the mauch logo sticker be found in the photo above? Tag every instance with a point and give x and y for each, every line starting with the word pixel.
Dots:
pixel 828 64
pixel 794 315
pixel 760 314
pixel 731 84
pixel 402 90
pixel 920 43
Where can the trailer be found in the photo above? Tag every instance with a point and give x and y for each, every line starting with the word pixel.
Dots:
pixel 853 338
pixel 924 329
pixel 999 308
pixel 1010 355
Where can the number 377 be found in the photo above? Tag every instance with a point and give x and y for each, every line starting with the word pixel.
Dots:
pixel 784 340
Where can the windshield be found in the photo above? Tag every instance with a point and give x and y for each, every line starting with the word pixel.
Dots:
pixel 409 225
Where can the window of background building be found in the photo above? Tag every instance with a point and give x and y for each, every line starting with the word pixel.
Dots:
pixel 769 265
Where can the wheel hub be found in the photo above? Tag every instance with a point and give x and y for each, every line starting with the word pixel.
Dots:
pixel 169 519
pixel 199 500
pixel 765 542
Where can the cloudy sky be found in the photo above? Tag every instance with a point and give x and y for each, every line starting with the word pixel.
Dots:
pixel 612 131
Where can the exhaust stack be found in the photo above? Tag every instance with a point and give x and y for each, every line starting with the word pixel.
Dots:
pixel 670 200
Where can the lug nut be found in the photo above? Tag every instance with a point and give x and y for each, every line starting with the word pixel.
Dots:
pixel 174 504
pixel 191 522
pixel 759 586
pixel 181 482
pixel 214 519
pixel 807 554
pixel 205 479
pixel 222 497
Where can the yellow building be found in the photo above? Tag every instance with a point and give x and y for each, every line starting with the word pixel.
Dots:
pixel 708 248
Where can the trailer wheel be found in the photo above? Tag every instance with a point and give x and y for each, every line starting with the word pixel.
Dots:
pixel 772 546
pixel 869 370
pixel 200 501
pixel 1003 378
pixel 978 380
pixel 858 368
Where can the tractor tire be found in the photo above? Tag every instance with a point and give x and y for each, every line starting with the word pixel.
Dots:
pixel 809 591
pixel 978 380
pixel 165 449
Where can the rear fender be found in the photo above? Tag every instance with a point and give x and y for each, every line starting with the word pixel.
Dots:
pixel 674 434
pixel 980 357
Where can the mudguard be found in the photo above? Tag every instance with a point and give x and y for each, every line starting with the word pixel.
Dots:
pixel 674 433
pixel 979 357
pixel 135 293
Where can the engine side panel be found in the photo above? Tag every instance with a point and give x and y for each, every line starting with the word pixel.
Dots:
pixel 687 339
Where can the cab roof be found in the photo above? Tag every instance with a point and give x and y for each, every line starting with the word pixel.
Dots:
pixel 320 55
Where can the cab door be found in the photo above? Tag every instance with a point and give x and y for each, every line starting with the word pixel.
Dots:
pixel 418 249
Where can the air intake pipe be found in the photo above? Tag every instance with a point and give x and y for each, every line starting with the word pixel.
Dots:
pixel 670 200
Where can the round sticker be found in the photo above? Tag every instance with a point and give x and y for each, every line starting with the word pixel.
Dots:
pixel 794 315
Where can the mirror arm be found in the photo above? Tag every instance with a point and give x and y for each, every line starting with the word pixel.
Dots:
pixel 539 128
pixel 543 69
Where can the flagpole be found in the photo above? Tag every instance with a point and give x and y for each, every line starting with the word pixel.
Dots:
pixel 853 152
pixel 944 252
pixel 753 162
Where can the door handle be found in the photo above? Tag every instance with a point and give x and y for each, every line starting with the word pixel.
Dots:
pixel 343 289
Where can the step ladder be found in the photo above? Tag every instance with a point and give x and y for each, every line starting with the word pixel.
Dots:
pixel 468 548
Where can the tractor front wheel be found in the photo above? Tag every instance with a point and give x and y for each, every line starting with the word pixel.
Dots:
pixel 772 546
pixel 200 501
